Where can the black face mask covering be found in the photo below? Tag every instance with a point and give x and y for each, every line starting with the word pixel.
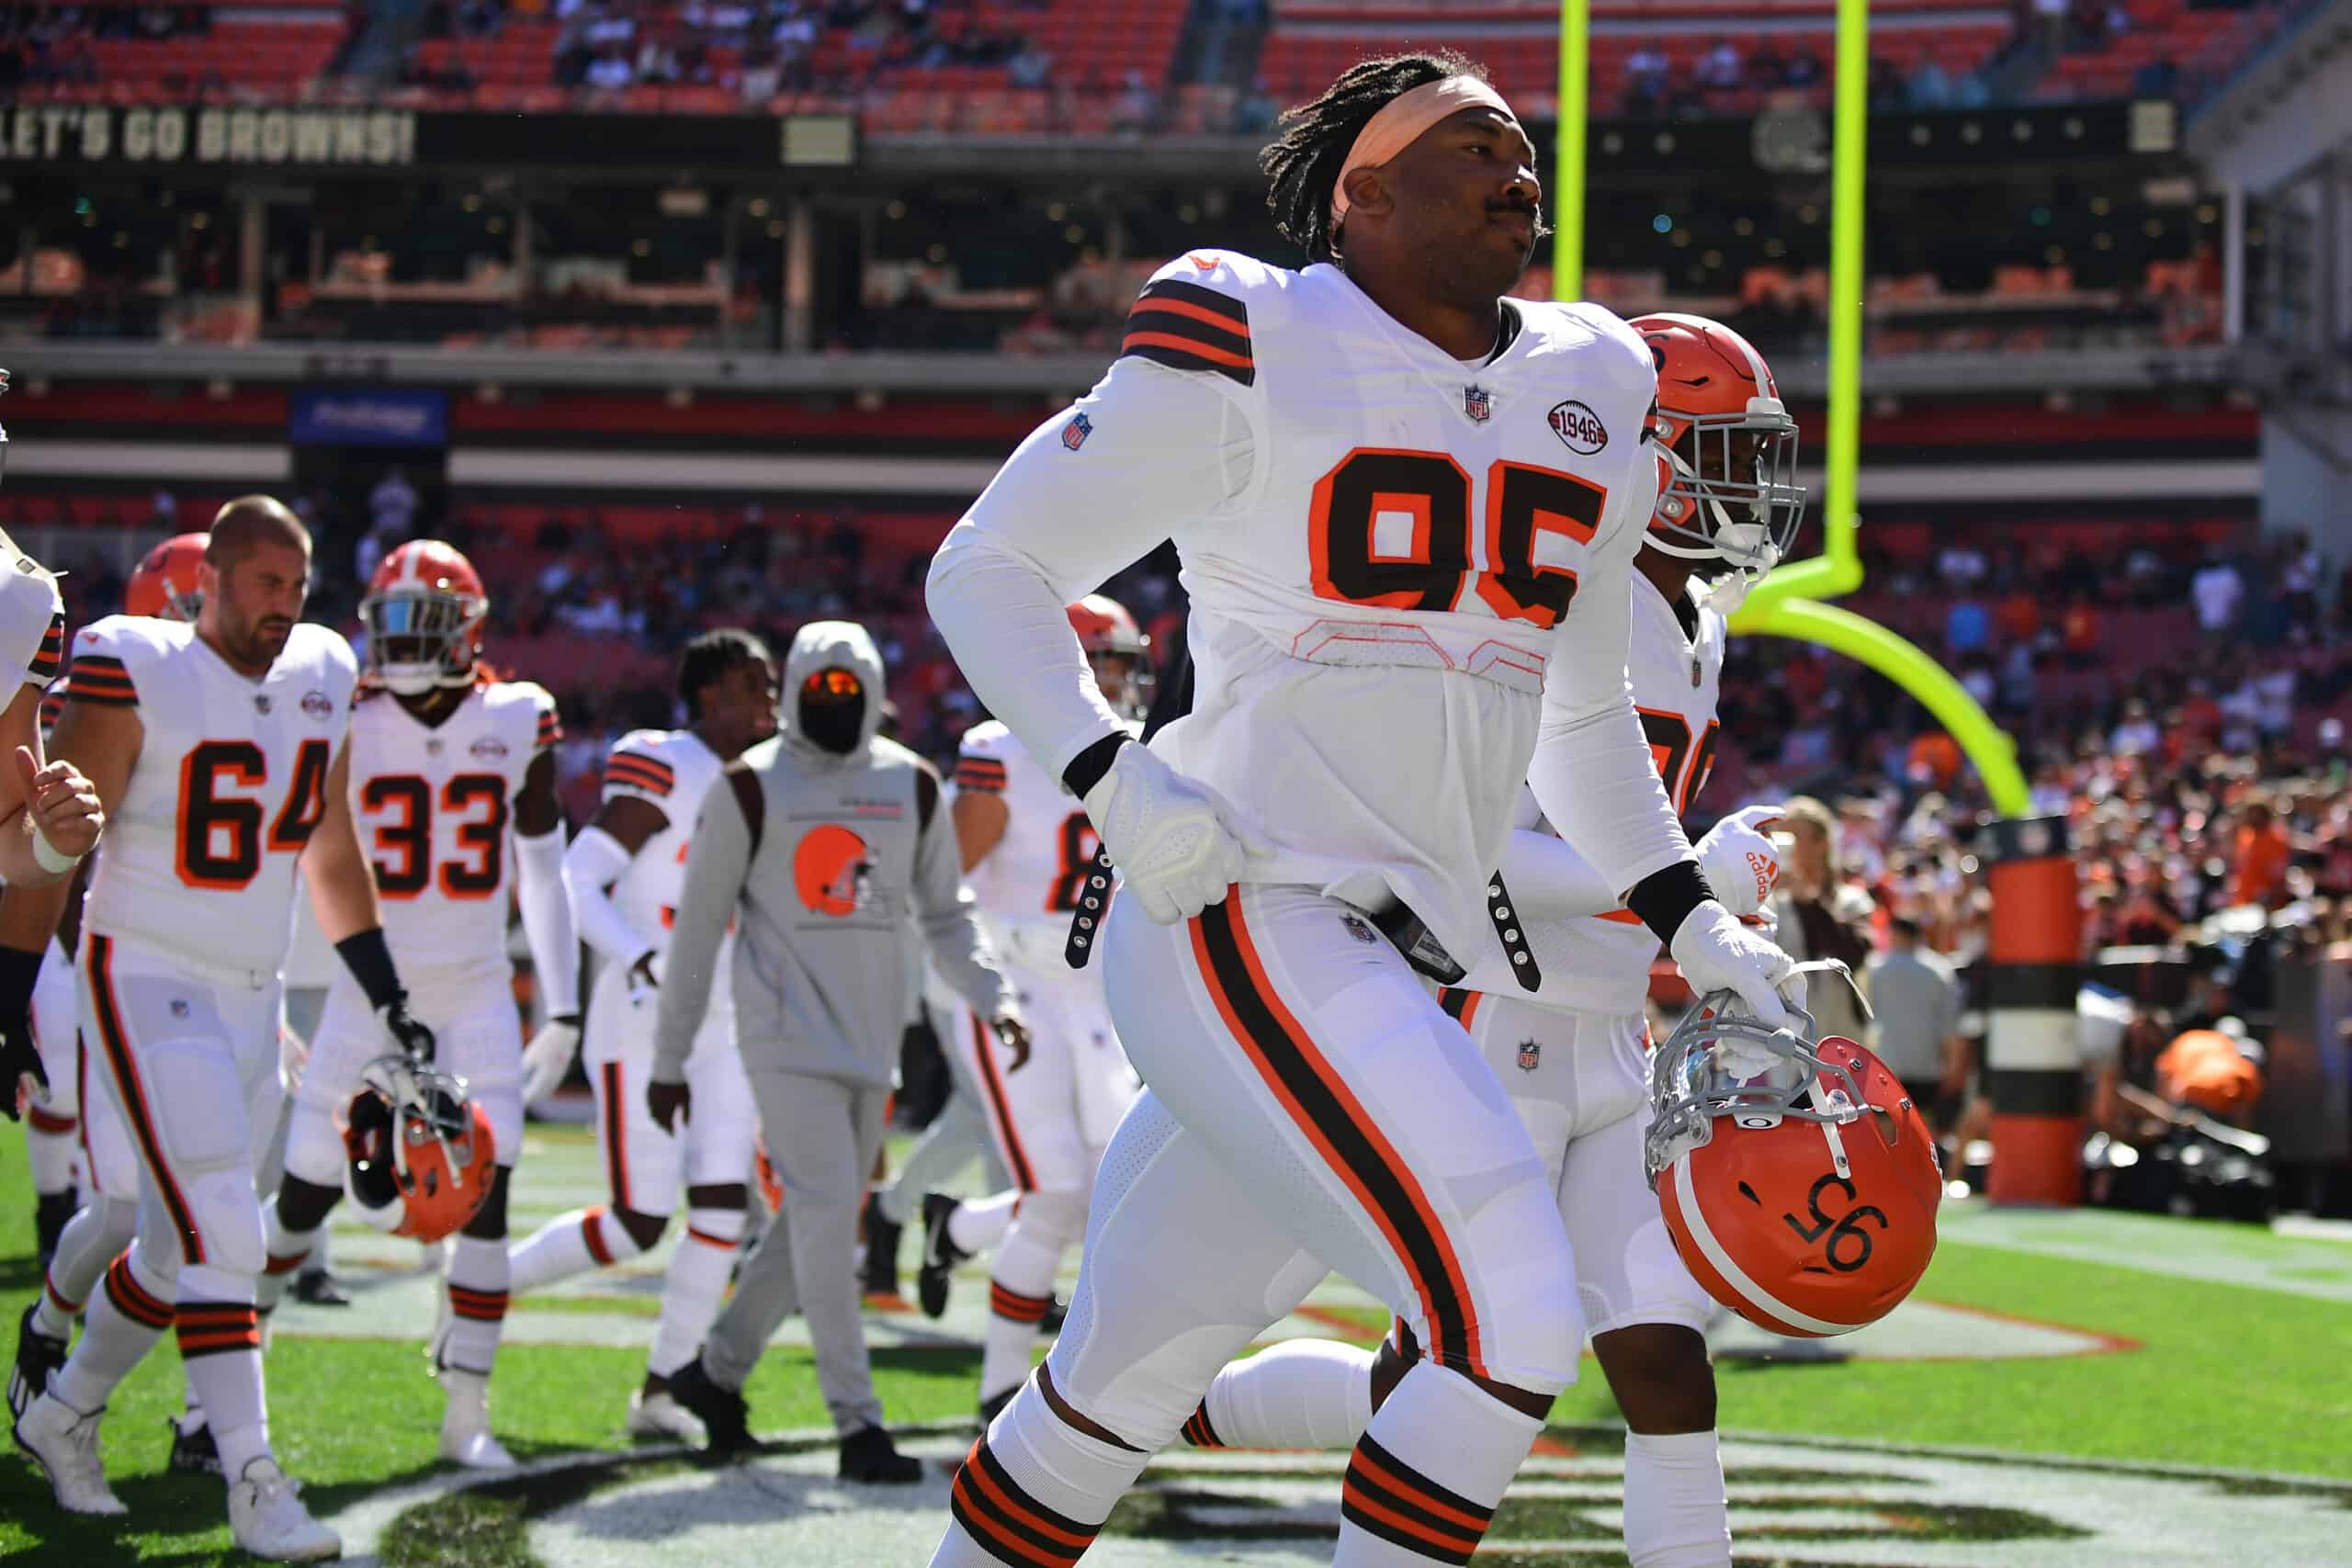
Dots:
pixel 837 723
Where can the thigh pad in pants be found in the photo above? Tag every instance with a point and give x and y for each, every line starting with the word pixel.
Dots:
pixel 1281 1030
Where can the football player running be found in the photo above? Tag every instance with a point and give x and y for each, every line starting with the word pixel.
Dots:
pixel 1407 510
pixel 626 870
pixel 162 585
pixel 218 750
pixel 1573 1055
pixel 1051 1103
pixel 449 766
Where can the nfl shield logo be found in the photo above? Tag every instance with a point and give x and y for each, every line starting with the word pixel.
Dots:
pixel 1477 403
pixel 1075 432
pixel 1531 1056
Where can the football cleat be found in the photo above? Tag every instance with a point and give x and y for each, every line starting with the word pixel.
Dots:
pixel 993 1406
pixel 65 1443
pixel 868 1455
pixel 881 1253
pixel 465 1424
pixel 266 1516
pixel 194 1453
pixel 1795 1176
pixel 38 1355
pixel 940 1253
pixel 659 1415
pixel 726 1417
pixel 316 1287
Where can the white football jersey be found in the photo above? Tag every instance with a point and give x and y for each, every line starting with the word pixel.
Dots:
pixel 1600 963
pixel 32 620
pixel 1038 870
pixel 229 783
pixel 673 770
pixel 435 808
pixel 1383 545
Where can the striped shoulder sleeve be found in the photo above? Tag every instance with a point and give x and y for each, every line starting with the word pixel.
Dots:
pixel 52 702
pixel 98 675
pixel 551 722
pixel 32 620
pixel 1188 325
pixel 985 775
pixel 634 770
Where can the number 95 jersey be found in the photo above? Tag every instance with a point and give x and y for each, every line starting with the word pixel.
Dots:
pixel 229 783
pixel 1394 560
pixel 433 804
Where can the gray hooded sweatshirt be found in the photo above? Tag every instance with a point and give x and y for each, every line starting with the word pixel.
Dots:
pixel 831 864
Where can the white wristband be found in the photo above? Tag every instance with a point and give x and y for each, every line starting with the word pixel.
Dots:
pixel 45 855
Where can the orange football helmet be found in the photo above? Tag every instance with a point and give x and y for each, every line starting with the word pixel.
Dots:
pixel 1803 1196
pixel 423 614
pixel 420 1155
pixel 1117 650
pixel 164 583
pixel 1728 486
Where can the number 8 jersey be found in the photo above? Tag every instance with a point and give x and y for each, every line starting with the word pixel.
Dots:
pixel 230 780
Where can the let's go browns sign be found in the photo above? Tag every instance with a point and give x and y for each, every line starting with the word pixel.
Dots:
pixel 75 133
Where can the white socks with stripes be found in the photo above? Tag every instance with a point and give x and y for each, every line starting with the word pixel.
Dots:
pixel 1034 1489
pixel 1676 1515
pixel 1301 1393
pixel 1425 1478
pixel 478 1291
pixel 694 1287
pixel 568 1244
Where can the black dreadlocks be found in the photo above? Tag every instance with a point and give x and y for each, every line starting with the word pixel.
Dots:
pixel 1303 162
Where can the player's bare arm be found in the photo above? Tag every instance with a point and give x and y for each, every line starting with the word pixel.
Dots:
pixel 342 898
pixel 48 806
pixel 980 820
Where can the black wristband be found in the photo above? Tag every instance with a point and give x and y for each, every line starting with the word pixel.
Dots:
pixel 19 971
pixel 371 963
pixel 1664 899
pixel 1086 769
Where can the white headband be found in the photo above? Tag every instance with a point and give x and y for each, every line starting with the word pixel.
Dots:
pixel 1401 121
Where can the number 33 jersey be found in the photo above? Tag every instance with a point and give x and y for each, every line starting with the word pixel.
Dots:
pixel 229 782
pixel 1393 558
pixel 432 803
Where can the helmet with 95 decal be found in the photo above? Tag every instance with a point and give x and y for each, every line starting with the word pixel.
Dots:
pixel 1797 1178
pixel 420 1158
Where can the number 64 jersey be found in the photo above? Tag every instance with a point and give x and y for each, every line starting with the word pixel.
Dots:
pixel 229 782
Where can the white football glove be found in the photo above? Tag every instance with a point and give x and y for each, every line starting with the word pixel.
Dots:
pixel 1716 953
pixel 548 1058
pixel 1169 836
pixel 1741 862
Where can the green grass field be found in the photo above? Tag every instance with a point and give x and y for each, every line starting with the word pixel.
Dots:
pixel 2215 1376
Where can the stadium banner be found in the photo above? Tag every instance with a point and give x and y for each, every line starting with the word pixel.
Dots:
pixel 381 416
pixel 62 136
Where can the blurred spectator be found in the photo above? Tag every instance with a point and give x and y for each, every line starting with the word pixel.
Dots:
pixel 2259 853
pixel 1928 88
pixel 1766 69
pixel 1804 68
pixel 1721 67
pixel 2218 591
pixel 1967 626
pixel 1915 1000
pixel 1820 915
